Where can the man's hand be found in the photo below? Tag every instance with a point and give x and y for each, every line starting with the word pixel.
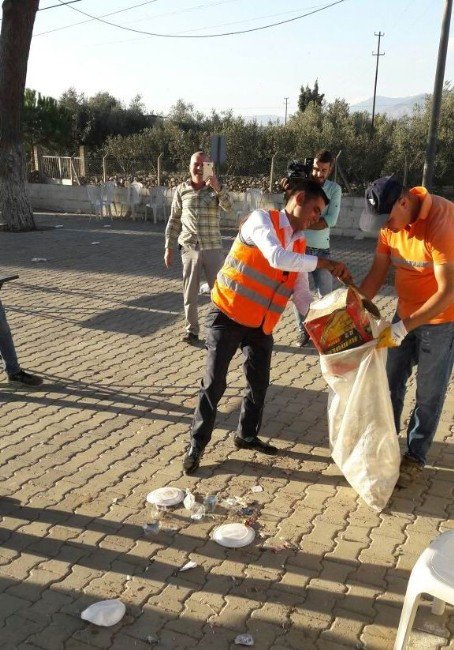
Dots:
pixel 214 183
pixel 318 225
pixel 168 257
pixel 338 269
pixel 284 183
pixel 392 336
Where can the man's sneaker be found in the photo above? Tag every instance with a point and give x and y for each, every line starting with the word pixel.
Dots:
pixel 190 338
pixel 410 469
pixel 256 445
pixel 303 339
pixel 23 378
pixel 192 459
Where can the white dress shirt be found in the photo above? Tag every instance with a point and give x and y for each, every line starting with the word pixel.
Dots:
pixel 258 230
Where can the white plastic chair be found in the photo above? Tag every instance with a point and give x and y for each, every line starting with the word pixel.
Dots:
pixel 254 198
pixel 432 574
pixel 95 197
pixel 253 201
pixel 134 197
pixel 156 203
pixel 108 196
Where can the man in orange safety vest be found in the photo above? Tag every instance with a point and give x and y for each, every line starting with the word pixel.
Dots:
pixel 264 268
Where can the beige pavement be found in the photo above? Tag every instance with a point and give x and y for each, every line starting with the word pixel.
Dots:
pixel 102 323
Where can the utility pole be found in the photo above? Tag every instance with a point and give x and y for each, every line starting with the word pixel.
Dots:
pixel 378 54
pixel 429 162
pixel 286 102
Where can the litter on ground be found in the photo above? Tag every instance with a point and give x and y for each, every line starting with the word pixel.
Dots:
pixel 104 613
pixel 244 639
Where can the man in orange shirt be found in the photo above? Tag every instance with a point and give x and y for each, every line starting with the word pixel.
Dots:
pixel 417 239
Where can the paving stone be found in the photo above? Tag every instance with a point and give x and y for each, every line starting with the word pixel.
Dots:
pixel 110 424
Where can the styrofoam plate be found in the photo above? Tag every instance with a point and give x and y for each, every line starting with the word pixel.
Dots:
pixel 166 496
pixel 233 535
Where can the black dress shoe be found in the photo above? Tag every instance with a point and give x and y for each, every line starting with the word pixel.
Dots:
pixel 303 339
pixel 24 378
pixel 192 459
pixel 190 338
pixel 256 445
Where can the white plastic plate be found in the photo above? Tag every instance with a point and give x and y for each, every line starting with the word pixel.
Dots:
pixel 233 535
pixel 166 496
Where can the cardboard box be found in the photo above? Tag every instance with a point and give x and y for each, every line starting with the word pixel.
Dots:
pixel 339 321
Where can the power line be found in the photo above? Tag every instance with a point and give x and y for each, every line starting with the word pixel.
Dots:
pixel 241 22
pixel 111 13
pixel 70 2
pixel 82 22
pixel 244 31
pixel 62 4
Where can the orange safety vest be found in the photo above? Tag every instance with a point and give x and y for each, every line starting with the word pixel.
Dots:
pixel 248 290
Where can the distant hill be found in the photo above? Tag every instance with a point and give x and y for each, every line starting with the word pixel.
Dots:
pixel 392 106
pixel 263 120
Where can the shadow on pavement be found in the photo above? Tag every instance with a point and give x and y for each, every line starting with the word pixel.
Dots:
pixel 50 617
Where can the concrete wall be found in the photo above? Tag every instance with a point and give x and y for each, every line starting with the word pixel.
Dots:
pixel 60 198
pixel 74 199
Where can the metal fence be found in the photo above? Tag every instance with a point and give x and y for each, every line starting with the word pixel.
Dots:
pixel 63 168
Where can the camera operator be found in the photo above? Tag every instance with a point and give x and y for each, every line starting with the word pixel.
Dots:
pixel 16 375
pixel 317 235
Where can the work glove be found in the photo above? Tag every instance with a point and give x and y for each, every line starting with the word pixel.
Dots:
pixel 392 336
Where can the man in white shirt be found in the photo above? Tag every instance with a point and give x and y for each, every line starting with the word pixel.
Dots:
pixel 265 266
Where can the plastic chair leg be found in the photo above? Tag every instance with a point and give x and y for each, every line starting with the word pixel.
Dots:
pixel 407 619
pixel 438 606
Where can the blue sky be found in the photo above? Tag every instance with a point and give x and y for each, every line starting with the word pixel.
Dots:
pixel 250 73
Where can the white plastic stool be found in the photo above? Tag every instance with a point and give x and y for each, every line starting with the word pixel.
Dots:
pixel 432 574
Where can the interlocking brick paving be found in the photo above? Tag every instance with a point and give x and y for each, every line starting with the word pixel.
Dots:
pixel 102 323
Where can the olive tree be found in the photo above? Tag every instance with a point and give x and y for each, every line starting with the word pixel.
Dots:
pixel 15 38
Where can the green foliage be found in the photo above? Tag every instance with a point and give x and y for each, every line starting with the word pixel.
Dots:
pixel 134 140
pixel 44 121
pixel 309 95
pixel 62 125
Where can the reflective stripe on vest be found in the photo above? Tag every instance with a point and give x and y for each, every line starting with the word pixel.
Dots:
pixel 241 290
pixel 256 275
pixel 248 289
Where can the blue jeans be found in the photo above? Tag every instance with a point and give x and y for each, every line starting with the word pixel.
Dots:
pixel 431 348
pixel 323 281
pixel 7 349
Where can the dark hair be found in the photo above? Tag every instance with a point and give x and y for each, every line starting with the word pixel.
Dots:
pixel 311 189
pixel 325 156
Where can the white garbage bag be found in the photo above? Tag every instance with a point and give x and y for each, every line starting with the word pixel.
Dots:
pixel 362 432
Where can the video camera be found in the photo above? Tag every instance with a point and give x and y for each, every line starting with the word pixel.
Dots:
pixel 297 169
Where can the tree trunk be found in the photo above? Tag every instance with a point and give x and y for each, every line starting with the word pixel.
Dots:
pixel 15 39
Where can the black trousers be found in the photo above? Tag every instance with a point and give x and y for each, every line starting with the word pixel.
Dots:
pixel 223 338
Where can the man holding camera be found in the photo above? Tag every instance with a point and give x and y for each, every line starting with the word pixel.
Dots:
pixel 317 235
pixel 194 226
pixel 266 265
